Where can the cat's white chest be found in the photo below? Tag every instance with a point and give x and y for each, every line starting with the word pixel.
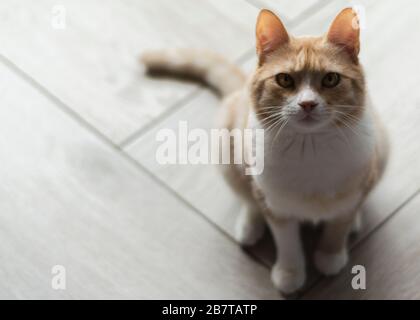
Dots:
pixel 310 163
pixel 301 166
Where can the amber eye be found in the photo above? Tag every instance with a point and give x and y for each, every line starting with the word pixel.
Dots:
pixel 285 80
pixel 331 80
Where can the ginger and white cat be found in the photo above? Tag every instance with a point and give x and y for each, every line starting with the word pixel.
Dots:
pixel 324 146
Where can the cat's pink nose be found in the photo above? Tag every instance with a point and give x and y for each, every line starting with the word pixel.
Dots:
pixel 308 106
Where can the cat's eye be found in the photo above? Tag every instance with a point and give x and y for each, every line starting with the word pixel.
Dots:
pixel 331 80
pixel 285 80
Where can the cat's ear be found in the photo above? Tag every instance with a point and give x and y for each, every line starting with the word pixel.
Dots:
pixel 344 32
pixel 271 33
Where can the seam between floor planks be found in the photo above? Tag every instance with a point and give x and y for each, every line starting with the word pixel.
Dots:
pixel 137 134
pixel 76 117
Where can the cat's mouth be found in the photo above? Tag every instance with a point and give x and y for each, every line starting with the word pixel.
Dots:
pixel 307 118
pixel 309 122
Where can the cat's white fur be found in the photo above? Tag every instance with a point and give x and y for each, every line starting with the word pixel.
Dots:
pixel 299 164
pixel 317 172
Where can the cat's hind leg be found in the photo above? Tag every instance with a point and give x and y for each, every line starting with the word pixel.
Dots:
pixel 332 254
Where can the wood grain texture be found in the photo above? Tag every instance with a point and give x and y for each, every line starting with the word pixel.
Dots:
pixel 68 198
pixel 92 64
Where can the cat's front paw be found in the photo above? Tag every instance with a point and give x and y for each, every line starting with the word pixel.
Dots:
pixel 288 280
pixel 331 264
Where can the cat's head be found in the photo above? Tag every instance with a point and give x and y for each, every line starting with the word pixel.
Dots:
pixel 308 83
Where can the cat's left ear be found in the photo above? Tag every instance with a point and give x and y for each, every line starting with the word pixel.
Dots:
pixel 271 33
pixel 345 32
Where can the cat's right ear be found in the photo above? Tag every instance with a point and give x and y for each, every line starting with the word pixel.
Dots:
pixel 271 34
pixel 345 32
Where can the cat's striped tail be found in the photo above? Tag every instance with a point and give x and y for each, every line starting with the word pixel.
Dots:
pixel 201 65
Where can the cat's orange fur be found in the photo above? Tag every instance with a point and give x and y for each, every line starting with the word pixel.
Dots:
pixel 297 183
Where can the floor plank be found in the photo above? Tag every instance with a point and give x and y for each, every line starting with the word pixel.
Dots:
pixel 201 185
pixel 391 258
pixel 68 198
pixel 92 64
